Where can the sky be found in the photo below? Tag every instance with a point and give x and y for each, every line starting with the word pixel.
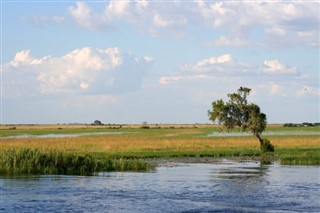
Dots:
pixel 156 61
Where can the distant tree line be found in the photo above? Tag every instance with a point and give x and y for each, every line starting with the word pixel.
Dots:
pixel 300 124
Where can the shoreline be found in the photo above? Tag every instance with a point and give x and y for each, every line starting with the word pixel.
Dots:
pixel 175 161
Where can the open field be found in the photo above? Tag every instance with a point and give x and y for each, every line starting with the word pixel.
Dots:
pixel 298 145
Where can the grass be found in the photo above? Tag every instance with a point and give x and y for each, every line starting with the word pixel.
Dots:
pixel 163 141
pixel 34 161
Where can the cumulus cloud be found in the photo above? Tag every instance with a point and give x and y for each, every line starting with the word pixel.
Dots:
pixel 282 24
pixel 222 68
pixel 289 23
pixel 226 68
pixel 276 67
pixel 173 79
pixel 138 13
pixel 278 19
pixel 221 65
pixel 86 18
pixel 224 41
pixel 210 64
pixel 85 70
pixel 24 58
pixel 160 21
pixel 276 31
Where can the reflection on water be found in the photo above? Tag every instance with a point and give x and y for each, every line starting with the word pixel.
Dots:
pixel 241 170
pixel 227 186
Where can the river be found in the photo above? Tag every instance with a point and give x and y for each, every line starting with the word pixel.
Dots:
pixel 225 186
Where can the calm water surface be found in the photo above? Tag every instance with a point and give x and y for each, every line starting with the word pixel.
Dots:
pixel 227 186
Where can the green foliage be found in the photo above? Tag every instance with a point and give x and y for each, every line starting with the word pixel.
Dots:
pixel 266 146
pixel 238 112
pixel 34 161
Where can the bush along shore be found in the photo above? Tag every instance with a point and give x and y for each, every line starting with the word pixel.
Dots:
pixel 34 161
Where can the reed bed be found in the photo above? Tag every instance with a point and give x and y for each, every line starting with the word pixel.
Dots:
pixel 310 161
pixel 34 161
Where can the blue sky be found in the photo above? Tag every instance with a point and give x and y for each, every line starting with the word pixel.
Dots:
pixel 156 61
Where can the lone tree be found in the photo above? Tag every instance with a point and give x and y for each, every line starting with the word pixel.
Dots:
pixel 238 112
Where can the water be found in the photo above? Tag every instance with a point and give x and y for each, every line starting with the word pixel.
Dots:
pixel 70 135
pixel 227 186
pixel 268 133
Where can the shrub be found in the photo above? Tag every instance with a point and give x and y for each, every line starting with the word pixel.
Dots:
pixel 144 127
pixel 266 146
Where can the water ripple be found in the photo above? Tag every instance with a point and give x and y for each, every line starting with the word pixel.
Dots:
pixel 227 187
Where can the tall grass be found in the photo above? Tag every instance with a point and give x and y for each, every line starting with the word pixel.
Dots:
pixel 302 156
pixel 35 161
pixel 300 161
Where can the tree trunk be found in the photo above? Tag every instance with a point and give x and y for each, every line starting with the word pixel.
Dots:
pixel 260 139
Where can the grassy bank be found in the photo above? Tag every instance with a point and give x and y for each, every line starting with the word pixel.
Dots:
pixel 35 161
pixel 299 145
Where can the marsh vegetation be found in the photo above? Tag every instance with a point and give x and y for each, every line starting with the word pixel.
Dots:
pixel 34 161
pixel 127 149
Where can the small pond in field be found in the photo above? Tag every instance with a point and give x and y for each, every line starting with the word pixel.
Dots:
pixel 268 133
pixel 64 135
pixel 224 186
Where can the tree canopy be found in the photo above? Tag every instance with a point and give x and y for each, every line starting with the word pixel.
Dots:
pixel 237 112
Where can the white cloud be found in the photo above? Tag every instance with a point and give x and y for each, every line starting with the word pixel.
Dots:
pixel 77 69
pixel 276 67
pixel 209 64
pixel 160 22
pixel 310 38
pixel 89 70
pixel 82 13
pixel 224 41
pixel 276 31
pixel 86 18
pixel 169 79
pixel 175 22
pixel 148 58
pixel 119 9
pixel 239 20
pixel 174 79
pixel 24 58
pixel 215 60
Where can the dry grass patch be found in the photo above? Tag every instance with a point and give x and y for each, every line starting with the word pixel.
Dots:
pixel 129 144
pixel 296 142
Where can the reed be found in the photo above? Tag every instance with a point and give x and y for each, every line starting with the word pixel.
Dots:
pixel 310 161
pixel 35 161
